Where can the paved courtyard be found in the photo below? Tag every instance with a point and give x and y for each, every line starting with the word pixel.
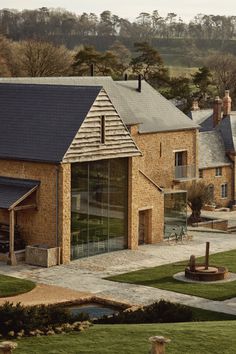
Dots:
pixel 86 275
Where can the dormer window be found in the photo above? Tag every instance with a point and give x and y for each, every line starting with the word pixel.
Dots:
pixel 103 129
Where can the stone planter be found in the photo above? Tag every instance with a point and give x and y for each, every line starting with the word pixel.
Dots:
pixel 40 255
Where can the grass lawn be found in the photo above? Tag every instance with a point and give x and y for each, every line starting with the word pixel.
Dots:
pixel 186 338
pixel 10 286
pixel 162 277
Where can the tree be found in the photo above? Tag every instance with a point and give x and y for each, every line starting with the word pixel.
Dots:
pixel 198 194
pixel 179 89
pixel 8 58
pixel 122 54
pixel 149 63
pixel 83 60
pixel 202 79
pixel 106 63
pixel 223 68
pixel 39 58
pixel 109 65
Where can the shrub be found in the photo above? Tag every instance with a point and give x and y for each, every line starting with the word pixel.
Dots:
pixel 15 318
pixel 159 312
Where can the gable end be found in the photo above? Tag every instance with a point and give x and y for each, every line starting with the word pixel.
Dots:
pixel 88 144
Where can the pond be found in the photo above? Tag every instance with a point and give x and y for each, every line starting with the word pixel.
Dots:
pixel 94 310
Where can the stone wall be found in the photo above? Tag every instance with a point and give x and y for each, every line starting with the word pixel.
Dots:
pixel 155 168
pixel 144 195
pixel 158 151
pixel 40 226
pixel 209 177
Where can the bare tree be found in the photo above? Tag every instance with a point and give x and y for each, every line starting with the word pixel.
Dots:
pixel 44 59
pixel 223 68
pixel 8 65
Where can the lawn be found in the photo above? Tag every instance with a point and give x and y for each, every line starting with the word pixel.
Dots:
pixel 10 286
pixel 187 338
pixel 162 277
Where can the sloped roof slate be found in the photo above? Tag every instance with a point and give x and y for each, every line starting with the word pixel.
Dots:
pixel 149 108
pixel 39 122
pixel 12 189
pixel 212 150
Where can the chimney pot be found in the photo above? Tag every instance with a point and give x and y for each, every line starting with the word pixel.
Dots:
pixel 227 101
pixel 140 83
pixel 217 108
pixel 92 70
pixel 195 106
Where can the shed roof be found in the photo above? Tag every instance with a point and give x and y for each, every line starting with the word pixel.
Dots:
pixel 12 189
pixel 39 122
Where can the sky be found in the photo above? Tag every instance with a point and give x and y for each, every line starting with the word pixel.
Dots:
pixel 186 9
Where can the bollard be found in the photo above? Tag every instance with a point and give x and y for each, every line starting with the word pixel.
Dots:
pixel 192 263
pixel 158 344
pixel 207 255
pixel 7 347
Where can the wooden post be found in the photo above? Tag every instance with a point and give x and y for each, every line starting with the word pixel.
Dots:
pixel 158 344
pixel 207 255
pixel 12 257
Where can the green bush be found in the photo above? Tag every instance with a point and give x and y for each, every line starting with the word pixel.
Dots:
pixel 29 318
pixel 159 312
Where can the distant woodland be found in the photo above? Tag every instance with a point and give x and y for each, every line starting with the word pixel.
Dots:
pixel 55 42
pixel 178 42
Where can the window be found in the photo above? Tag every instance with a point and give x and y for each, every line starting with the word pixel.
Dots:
pixel 218 171
pixel 103 129
pixel 211 190
pixel 224 190
pixel 181 158
pixel 200 173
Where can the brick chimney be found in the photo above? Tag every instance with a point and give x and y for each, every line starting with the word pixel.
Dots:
pixel 195 106
pixel 226 104
pixel 217 108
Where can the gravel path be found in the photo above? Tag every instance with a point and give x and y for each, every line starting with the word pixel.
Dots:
pixel 46 294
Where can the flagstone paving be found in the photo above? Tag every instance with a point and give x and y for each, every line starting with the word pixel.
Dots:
pixel 86 275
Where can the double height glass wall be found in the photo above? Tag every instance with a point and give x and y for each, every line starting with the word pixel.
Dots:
pixel 175 213
pixel 99 207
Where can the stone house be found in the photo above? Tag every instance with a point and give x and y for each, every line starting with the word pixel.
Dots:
pixel 217 149
pixel 106 160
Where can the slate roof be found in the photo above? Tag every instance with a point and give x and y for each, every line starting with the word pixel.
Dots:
pixel 39 122
pixel 227 127
pixel 12 189
pixel 202 117
pixel 154 111
pixel 149 108
pixel 212 150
